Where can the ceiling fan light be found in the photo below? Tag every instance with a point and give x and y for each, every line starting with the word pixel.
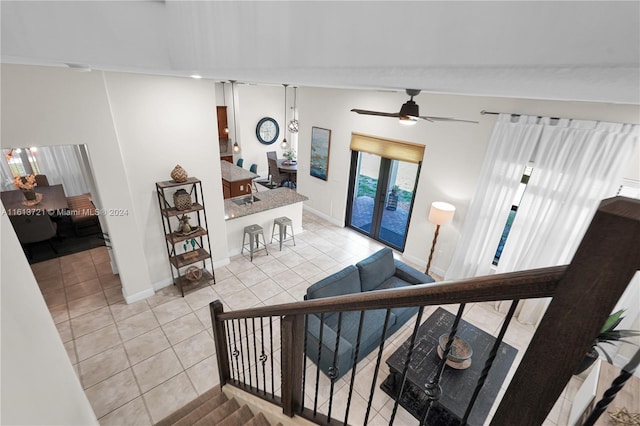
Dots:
pixel 407 120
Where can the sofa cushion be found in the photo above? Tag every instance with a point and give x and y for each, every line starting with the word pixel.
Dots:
pixel 346 281
pixel 393 282
pixel 376 269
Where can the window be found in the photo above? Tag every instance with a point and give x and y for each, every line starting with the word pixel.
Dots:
pixel 512 214
pixel 629 188
pixel 22 161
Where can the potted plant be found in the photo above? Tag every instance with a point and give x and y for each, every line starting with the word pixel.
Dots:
pixel 290 154
pixel 608 335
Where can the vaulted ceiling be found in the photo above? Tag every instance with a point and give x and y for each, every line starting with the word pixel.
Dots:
pixel 566 50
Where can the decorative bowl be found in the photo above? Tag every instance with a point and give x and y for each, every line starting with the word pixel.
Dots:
pixel 460 350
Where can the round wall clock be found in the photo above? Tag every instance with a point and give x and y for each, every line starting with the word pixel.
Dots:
pixel 267 131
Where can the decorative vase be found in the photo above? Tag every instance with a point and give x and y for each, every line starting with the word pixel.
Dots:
pixel 179 174
pixel 182 199
pixel 29 194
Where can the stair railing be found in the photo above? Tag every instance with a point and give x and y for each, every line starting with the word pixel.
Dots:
pixel 583 294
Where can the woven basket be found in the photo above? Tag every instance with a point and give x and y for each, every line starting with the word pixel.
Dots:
pixel 193 273
pixel 182 200
pixel 179 174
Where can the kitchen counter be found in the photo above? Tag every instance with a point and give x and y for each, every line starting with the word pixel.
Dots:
pixel 268 200
pixel 273 203
pixel 232 173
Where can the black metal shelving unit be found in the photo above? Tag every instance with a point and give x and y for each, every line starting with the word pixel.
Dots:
pixel 200 251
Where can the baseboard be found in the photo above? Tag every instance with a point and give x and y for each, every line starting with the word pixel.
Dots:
pixel 323 215
pixel 137 296
pixel 423 265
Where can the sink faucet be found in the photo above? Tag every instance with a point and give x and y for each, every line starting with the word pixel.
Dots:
pixel 251 197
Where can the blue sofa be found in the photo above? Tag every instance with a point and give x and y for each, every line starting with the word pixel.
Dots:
pixel 377 272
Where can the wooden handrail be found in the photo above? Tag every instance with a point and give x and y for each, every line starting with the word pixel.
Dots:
pixel 514 285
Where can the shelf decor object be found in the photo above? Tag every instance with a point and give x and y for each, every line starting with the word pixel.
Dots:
pixel 182 199
pixel 186 249
pixel 179 174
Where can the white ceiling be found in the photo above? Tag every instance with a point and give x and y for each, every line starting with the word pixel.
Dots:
pixel 566 50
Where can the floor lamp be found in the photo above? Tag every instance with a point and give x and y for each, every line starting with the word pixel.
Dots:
pixel 440 213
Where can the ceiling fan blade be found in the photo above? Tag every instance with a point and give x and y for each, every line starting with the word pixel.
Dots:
pixel 383 114
pixel 428 118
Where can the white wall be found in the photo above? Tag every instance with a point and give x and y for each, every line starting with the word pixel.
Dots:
pixel 161 122
pixel 255 102
pixel 136 128
pixel 56 106
pixel 453 151
pixel 39 384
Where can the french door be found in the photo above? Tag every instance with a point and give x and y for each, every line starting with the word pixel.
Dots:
pixel 381 193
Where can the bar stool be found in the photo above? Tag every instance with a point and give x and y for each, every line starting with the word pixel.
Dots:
pixel 283 222
pixel 254 232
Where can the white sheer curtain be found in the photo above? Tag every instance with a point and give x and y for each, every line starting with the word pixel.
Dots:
pixel 511 147
pixel 62 164
pixel 577 164
pixel 6 176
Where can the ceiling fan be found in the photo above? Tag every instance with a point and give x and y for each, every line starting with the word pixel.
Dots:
pixel 409 112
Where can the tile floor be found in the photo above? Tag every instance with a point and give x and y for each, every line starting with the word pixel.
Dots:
pixel 139 362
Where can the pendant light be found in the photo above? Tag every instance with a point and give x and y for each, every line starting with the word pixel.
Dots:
pixel 236 147
pixel 293 124
pixel 224 102
pixel 285 145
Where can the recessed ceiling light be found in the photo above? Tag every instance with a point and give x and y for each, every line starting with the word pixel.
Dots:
pixel 196 76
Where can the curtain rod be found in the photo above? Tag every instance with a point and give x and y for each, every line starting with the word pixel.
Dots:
pixel 483 112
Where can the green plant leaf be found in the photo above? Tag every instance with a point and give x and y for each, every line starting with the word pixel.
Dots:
pixel 613 320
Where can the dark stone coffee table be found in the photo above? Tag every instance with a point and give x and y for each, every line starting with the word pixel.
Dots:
pixel 457 385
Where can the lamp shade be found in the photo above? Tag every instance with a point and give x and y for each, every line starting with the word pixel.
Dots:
pixel 441 213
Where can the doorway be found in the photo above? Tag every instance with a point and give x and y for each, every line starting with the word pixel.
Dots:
pixel 381 194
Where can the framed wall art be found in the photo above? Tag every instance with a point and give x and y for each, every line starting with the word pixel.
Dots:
pixel 320 145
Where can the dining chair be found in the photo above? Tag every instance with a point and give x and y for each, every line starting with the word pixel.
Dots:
pixel 272 154
pixel 240 162
pixel 83 213
pixel 277 178
pixel 34 228
pixel 41 180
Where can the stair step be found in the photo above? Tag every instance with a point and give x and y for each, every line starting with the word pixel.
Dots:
pixel 258 420
pixel 237 418
pixel 203 410
pixel 185 410
pixel 217 415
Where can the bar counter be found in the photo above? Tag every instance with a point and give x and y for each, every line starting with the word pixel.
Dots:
pixel 273 203
pixel 268 200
